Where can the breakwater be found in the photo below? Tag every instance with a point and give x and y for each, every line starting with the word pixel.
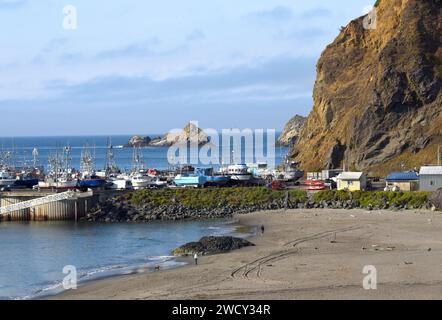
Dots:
pixel 194 204
pixel 30 205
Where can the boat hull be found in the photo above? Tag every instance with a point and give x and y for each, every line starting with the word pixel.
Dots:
pixel 58 185
pixel 138 184
pixel 26 183
pixel 92 183
pixel 241 177
pixel 218 180
pixel 6 182
pixel 191 181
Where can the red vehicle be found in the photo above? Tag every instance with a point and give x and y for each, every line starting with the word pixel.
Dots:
pixel 277 185
pixel 314 185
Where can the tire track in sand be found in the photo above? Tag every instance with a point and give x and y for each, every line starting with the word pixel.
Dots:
pixel 258 264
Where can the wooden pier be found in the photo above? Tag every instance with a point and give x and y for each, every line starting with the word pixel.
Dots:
pixel 72 208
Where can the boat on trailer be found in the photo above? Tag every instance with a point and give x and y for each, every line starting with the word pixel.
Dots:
pixel 213 179
pixel 190 180
pixel 238 172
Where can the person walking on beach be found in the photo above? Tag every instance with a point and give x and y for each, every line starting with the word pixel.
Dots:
pixel 262 230
pixel 195 257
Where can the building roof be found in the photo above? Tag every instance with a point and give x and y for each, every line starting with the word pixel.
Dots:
pixel 431 170
pixel 402 176
pixel 350 176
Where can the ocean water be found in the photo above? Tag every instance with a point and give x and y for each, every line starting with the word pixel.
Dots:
pixel 152 157
pixel 33 254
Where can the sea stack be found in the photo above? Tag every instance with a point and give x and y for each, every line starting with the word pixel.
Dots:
pixel 292 130
pixel 190 131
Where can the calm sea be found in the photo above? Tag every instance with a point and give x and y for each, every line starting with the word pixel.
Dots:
pixel 152 157
pixel 33 254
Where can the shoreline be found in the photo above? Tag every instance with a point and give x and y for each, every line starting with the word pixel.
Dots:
pixel 231 227
pixel 297 258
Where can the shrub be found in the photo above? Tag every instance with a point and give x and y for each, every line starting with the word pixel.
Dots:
pixel 214 197
pixel 375 198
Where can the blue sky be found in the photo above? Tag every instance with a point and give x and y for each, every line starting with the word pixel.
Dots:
pixel 147 66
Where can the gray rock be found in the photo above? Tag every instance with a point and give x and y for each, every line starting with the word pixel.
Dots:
pixel 436 200
pixel 211 245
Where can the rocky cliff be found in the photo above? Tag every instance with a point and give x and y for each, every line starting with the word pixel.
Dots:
pixel 292 130
pixel 377 96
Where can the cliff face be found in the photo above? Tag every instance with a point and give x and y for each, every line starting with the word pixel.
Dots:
pixel 292 130
pixel 377 96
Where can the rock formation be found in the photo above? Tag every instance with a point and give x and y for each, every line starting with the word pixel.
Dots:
pixel 377 96
pixel 436 199
pixel 138 141
pixel 212 245
pixel 292 130
pixel 190 131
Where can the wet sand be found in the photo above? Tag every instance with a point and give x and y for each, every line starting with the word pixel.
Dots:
pixel 304 254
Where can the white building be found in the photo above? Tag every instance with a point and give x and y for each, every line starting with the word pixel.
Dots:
pixel 430 178
pixel 352 181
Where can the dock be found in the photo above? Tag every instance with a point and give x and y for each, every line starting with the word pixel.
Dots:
pixel 34 205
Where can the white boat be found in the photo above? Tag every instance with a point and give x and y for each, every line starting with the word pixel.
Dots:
pixel 260 170
pixel 238 172
pixel 158 182
pixel 6 178
pixel 61 183
pixel 140 181
pixel 120 184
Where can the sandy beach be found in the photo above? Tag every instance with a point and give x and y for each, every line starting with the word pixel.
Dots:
pixel 304 254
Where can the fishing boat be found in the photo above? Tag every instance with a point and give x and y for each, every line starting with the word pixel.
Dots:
pixel 60 182
pixel 25 181
pixel 260 170
pixel 137 178
pixel 60 175
pixel 290 172
pixel 92 182
pixel 237 172
pixel 88 177
pixel 120 184
pixel 190 180
pixel 6 178
pixel 213 179
pixel 140 181
pixel 158 182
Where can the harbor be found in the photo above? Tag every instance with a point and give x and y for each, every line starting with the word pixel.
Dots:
pixel 57 191
pixel 34 205
pixel 64 181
